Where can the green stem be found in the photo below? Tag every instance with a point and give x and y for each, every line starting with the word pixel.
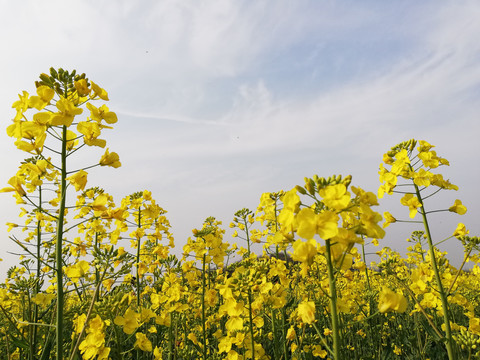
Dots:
pixel 59 247
pixel 204 332
pixel 97 273
pixel 438 279
pixel 37 285
pixel 333 302
pixel 139 224
pixel 465 257
pixel 250 316
pixel 275 337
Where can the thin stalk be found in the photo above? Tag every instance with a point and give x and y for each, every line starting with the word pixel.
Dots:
pixel 139 224
pixel 333 302
pixel 59 246
pixel 170 338
pixel 465 257
pixel 37 285
pixel 97 273
pixel 77 343
pixel 204 331
pixel 275 337
pixel 284 335
pixel 250 316
pixel 441 290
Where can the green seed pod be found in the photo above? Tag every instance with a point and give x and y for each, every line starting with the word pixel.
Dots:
pixel 45 78
pixel 53 72
pixel 301 190
pixel 347 180
pixel 310 186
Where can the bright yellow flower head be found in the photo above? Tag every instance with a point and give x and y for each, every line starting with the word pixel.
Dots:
pixel 110 159
pixel 91 131
pixel 304 251
pixel 324 224
pixel 306 311
pixel 335 196
pixel 98 91
pixel 458 207
pixel 391 301
pixel 45 95
pixel 82 87
pixel 16 183
pixel 389 219
pixel 412 202
pixel 79 180
pixel 66 114
pixel 461 230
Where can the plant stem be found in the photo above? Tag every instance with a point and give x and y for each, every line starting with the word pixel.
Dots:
pixel 139 225
pixel 250 316
pixel 333 302
pixel 59 246
pixel 441 290
pixel 204 332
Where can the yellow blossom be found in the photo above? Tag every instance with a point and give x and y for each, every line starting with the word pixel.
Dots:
pixel 412 202
pixel 324 224
pixel 306 311
pixel 98 91
pixel 391 301
pixel 458 207
pixel 335 196
pixel 142 342
pixel 461 230
pixel 79 180
pixel 110 159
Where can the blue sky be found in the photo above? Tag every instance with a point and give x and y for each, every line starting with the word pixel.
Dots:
pixel 220 101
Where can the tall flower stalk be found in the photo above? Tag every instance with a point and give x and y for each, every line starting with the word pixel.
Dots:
pixel 59 99
pixel 414 165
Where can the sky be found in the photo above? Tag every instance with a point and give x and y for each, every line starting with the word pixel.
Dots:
pixel 221 101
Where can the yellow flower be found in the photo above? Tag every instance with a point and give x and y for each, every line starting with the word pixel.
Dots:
pixel 304 251
pixel 389 219
pixel 391 301
pixel 102 113
pixel 306 311
pixel 461 230
pixel 98 91
pixel 335 196
pixel 225 344
pixel 78 270
pixel 412 202
pixel 79 180
pixel 474 325
pixel 323 224
pixel 110 159
pixel 458 207
pixel 45 94
pixel 143 343
pixel 129 321
pixel 318 351
pixel 43 299
pixel 99 204
pixel 68 111
pixel 21 105
pixel 291 333
pixel 72 140
pixel 91 131
pixel 82 87
pixel 16 184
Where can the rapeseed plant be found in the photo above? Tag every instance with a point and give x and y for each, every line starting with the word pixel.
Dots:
pixel 98 281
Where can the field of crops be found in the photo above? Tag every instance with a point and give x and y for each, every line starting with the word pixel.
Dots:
pixel 98 278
